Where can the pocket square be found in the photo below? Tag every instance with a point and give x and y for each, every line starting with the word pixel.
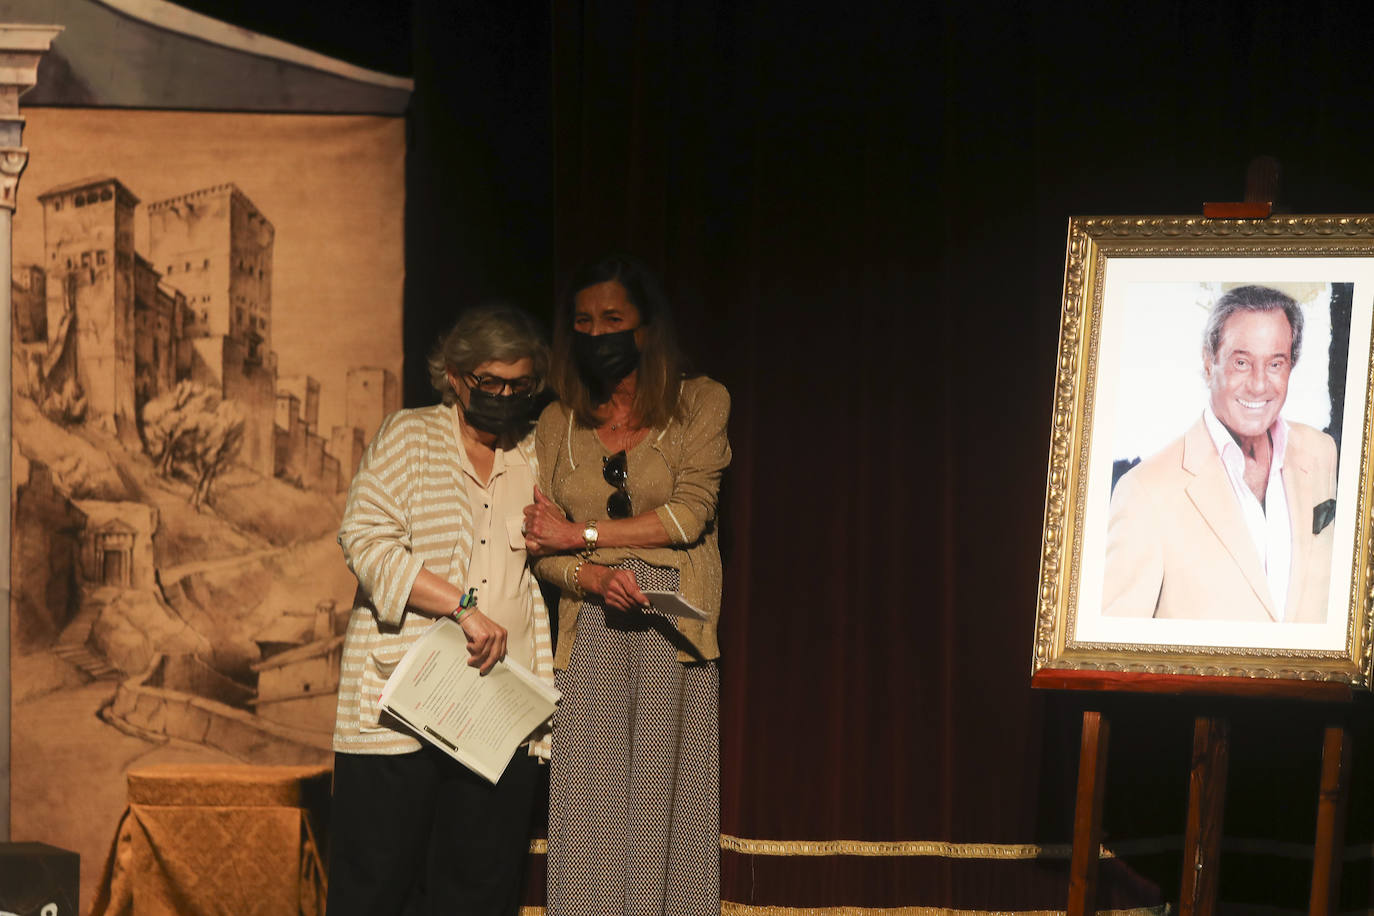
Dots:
pixel 1323 514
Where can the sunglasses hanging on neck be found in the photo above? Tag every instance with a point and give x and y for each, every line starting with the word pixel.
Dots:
pixel 615 471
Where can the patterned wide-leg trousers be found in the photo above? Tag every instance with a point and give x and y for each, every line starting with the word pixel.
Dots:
pixel 634 801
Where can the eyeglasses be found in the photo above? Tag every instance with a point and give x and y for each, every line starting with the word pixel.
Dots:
pixel 615 470
pixel 520 387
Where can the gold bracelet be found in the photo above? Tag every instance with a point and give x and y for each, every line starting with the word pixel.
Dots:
pixel 577 586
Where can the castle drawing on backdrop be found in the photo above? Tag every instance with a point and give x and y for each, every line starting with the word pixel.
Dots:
pixel 176 502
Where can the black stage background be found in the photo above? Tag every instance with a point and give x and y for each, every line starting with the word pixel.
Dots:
pixel 860 210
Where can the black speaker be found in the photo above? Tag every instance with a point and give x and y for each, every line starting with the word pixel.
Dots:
pixel 38 880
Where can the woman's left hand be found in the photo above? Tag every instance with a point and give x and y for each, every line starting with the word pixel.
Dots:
pixel 617 587
pixel 547 529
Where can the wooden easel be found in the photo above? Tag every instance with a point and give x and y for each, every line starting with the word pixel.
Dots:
pixel 1211 731
pixel 1206 782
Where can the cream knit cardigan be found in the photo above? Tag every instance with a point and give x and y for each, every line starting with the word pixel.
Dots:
pixel 407 509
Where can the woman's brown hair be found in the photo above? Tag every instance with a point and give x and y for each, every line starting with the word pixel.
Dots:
pixel 661 364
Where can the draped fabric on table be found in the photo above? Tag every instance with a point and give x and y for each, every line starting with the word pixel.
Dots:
pixel 861 216
pixel 218 839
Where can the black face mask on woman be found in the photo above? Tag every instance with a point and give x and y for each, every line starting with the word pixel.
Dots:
pixel 604 359
pixel 498 414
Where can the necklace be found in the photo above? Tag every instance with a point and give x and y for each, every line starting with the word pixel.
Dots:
pixel 614 424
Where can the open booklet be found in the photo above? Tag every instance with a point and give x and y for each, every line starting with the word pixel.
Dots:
pixel 478 720
pixel 672 603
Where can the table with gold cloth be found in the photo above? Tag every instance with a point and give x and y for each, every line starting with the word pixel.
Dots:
pixel 216 839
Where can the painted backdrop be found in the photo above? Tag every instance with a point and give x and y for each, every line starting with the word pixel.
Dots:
pixel 207 330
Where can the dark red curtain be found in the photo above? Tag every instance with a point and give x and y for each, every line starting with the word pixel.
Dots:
pixel 860 212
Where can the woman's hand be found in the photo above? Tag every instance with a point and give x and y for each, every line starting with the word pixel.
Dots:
pixel 547 529
pixel 486 640
pixel 617 587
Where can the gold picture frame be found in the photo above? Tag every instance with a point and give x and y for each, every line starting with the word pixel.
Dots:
pixel 1131 384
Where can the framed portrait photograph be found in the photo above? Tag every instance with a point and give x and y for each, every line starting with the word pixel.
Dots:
pixel 1207 506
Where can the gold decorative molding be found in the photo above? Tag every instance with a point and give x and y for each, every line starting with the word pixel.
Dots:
pixel 943 850
pixel 1062 430
pixel 984 851
pixel 728 908
pixel 914 848
pixel 1143 846
pixel 1092 241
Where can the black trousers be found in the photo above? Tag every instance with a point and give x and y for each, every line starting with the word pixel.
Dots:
pixel 420 834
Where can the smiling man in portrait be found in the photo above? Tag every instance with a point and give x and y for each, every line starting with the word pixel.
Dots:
pixel 1232 521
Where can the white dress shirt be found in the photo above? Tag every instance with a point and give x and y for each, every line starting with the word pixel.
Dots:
pixel 1270 528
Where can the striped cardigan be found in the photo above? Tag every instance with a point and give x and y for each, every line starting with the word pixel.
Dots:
pixel 407 509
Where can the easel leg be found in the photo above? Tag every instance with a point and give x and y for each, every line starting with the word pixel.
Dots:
pixel 1331 806
pixel 1206 808
pixel 1087 816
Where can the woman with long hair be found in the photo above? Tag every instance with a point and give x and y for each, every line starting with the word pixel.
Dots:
pixel 630 463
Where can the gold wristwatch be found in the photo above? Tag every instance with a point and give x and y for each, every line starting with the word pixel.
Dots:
pixel 589 534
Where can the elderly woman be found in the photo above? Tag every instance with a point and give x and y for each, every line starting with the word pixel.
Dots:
pixel 436 509
pixel 633 455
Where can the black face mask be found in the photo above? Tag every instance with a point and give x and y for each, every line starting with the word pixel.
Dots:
pixel 604 359
pixel 499 414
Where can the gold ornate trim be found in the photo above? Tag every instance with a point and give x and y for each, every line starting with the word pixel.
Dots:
pixel 744 909
pixel 727 908
pixel 1092 242
pixel 1001 851
pixel 1256 846
pixel 936 849
pixel 922 848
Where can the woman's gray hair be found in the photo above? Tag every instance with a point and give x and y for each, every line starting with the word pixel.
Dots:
pixel 1252 299
pixel 494 331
